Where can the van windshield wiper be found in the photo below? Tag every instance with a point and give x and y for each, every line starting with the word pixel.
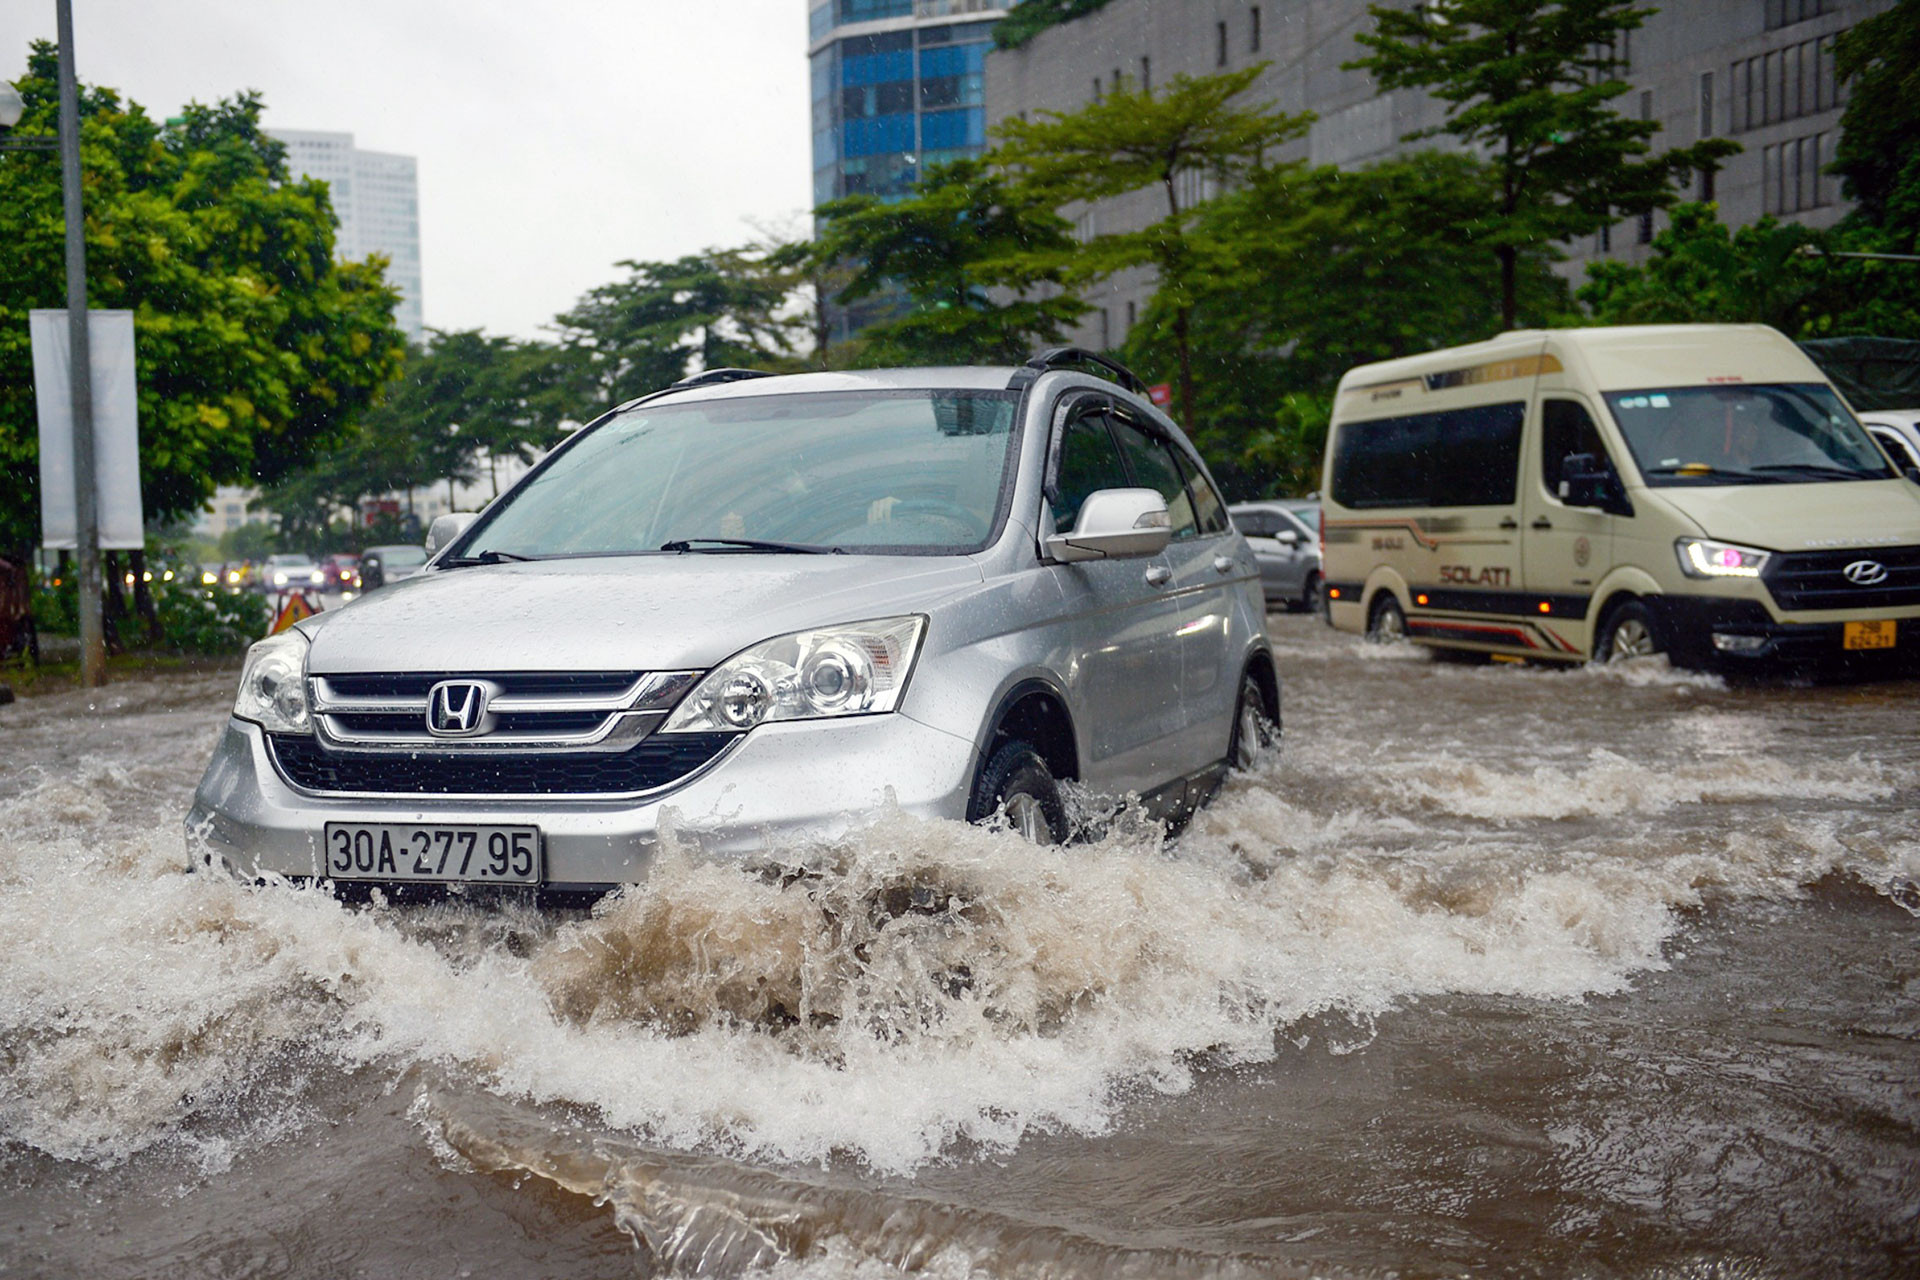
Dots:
pixel 484 557
pixel 1700 470
pixel 746 544
pixel 1820 469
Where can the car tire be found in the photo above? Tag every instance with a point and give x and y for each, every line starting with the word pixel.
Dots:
pixel 1254 730
pixel 1311 600
pixel 1628 632
pixel 1386 624
pixel 1017 782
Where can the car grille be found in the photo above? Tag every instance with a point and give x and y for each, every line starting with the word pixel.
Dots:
pixel 525 711
pixel 658 762
pixel 1810 580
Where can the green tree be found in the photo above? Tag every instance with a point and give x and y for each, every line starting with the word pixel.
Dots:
pixel 1029 18
pixel 979 260
pixel 1324 269
pixel 724 307
pixel 1879 59
pixel 1137 138
pixel 1701 272
pixel 1531 84
pixel 255 350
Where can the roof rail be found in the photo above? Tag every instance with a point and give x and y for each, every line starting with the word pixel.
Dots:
pixel 1064 357
pixel 711 377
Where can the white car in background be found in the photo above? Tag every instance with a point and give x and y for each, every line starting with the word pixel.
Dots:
pixel 290 573
pixel 1898 432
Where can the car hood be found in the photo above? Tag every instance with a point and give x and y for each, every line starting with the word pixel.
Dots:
pixel 1803 517
pixel 637 613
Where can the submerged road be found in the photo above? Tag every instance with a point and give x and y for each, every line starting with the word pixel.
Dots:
pixel 1488 970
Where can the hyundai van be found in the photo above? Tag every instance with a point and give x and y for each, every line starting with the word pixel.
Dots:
pixel 1700 491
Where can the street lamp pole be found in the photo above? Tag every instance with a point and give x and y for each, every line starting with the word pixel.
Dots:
pixel 93 640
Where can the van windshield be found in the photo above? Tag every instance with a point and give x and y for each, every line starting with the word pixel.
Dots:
pixel 914 473
pixel 1775 433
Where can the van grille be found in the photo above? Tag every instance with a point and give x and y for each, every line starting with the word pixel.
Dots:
pixel 1812 580
pixel 655 763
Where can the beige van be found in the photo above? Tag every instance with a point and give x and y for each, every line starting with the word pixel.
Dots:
pixel 1695 490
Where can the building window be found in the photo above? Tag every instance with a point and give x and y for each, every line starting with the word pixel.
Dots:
pixel 1116 79
pixel 1790 177
pixel 1146 74
pixel 1606 238
pixel 1096 88
pixel 1253 29
pixel 1784 13
pixel 1130 316
pixel 1785 84
pixel 1706 104
pixel 1220 45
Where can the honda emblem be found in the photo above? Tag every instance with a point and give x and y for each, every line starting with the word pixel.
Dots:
pixel 458 709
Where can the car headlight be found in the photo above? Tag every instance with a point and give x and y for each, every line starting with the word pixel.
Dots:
pixel 857 669
pixel 279 579
pixel 273 685
pixel 1705 558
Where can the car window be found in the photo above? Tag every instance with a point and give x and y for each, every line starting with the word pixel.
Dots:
pixel 1256 524
pixel 1153 468
pixel 1208 510
pixel 1089 462
pixel 1897 447
pixel 1300 527
pixel 1566 429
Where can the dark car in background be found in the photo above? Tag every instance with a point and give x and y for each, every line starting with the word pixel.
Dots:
pixel 382 565
pixel 1285 539
pixel 17 634
pixel 340 573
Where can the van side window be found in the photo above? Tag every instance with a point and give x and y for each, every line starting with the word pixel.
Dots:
pixel 1566 428
pixel 1154 468
pixel 1088 463
pixel 1455 458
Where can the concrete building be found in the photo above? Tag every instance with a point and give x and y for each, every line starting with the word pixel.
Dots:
pixel 1757 71
pixel 377 199
pixel 898 85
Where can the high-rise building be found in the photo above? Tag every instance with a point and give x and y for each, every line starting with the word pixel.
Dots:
pixel 1757 71
pixel 377 199
pixel 898 86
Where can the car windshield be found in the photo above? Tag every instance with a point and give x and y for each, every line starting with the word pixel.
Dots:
pixel 1778 433
pixel 915 472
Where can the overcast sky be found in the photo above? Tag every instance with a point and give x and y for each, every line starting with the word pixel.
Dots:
pixel 554 137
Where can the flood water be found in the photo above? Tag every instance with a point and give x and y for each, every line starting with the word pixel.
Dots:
pixel 1489 970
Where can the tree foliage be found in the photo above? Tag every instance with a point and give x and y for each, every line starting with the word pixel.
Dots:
pixel 1532 84
pixel 1029 18
pixel 255 350
pixel 977 258
pixel 1880 60
pixel 1137 138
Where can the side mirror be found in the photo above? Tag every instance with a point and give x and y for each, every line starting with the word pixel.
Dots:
pixel 1588 481
pixel 1287 537
pixel 448 527
pixel 1115 524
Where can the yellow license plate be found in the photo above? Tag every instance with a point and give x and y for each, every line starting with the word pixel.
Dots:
pixel 1869 635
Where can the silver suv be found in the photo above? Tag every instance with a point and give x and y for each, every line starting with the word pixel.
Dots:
pixel 759 608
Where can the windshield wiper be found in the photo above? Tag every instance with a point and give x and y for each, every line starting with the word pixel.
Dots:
pixel 1691 470
pixel 1819 469
pixel 747 544
pixel 484 557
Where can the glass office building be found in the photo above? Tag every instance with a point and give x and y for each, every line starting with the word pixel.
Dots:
pixel 898 85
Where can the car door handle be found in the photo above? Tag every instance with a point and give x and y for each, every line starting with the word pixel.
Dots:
pixel 1509 523
pixel 1223 564
pixel 1159 576
pixel 1541 523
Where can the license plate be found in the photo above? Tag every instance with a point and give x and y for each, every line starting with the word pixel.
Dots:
pixel 451 852
pixel 1869 635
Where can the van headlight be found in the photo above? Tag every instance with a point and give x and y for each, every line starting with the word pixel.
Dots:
pixel 857 669
pixel 1705 558
pixel 273 685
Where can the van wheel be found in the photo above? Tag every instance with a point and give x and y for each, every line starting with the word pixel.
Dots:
pixel 1253 729
pixel 1016 781
pixel 1387 625
pixel 1627 633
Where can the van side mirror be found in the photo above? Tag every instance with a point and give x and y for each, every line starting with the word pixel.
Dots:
pixel 1115 524
pixel 445 529
pixel 1587 480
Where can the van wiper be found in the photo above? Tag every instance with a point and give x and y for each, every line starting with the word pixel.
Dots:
pixel 1819 469
pixel 748 544
pixel 484 557
pixel 1691 470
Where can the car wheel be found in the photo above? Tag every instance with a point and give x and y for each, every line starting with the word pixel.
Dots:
pixel 1310 597
pixel 1627 633
pixel 1017 782
pixel 1387 625
pixel 1254 730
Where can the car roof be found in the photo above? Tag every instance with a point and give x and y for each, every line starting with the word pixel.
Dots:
pixel 948 378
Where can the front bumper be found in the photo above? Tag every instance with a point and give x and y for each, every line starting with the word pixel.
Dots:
pixel 1752 639
pixel 780 785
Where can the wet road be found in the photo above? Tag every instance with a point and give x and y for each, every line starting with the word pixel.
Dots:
pixel 1489 970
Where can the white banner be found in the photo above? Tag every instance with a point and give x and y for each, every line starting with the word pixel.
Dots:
pixel 116 433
